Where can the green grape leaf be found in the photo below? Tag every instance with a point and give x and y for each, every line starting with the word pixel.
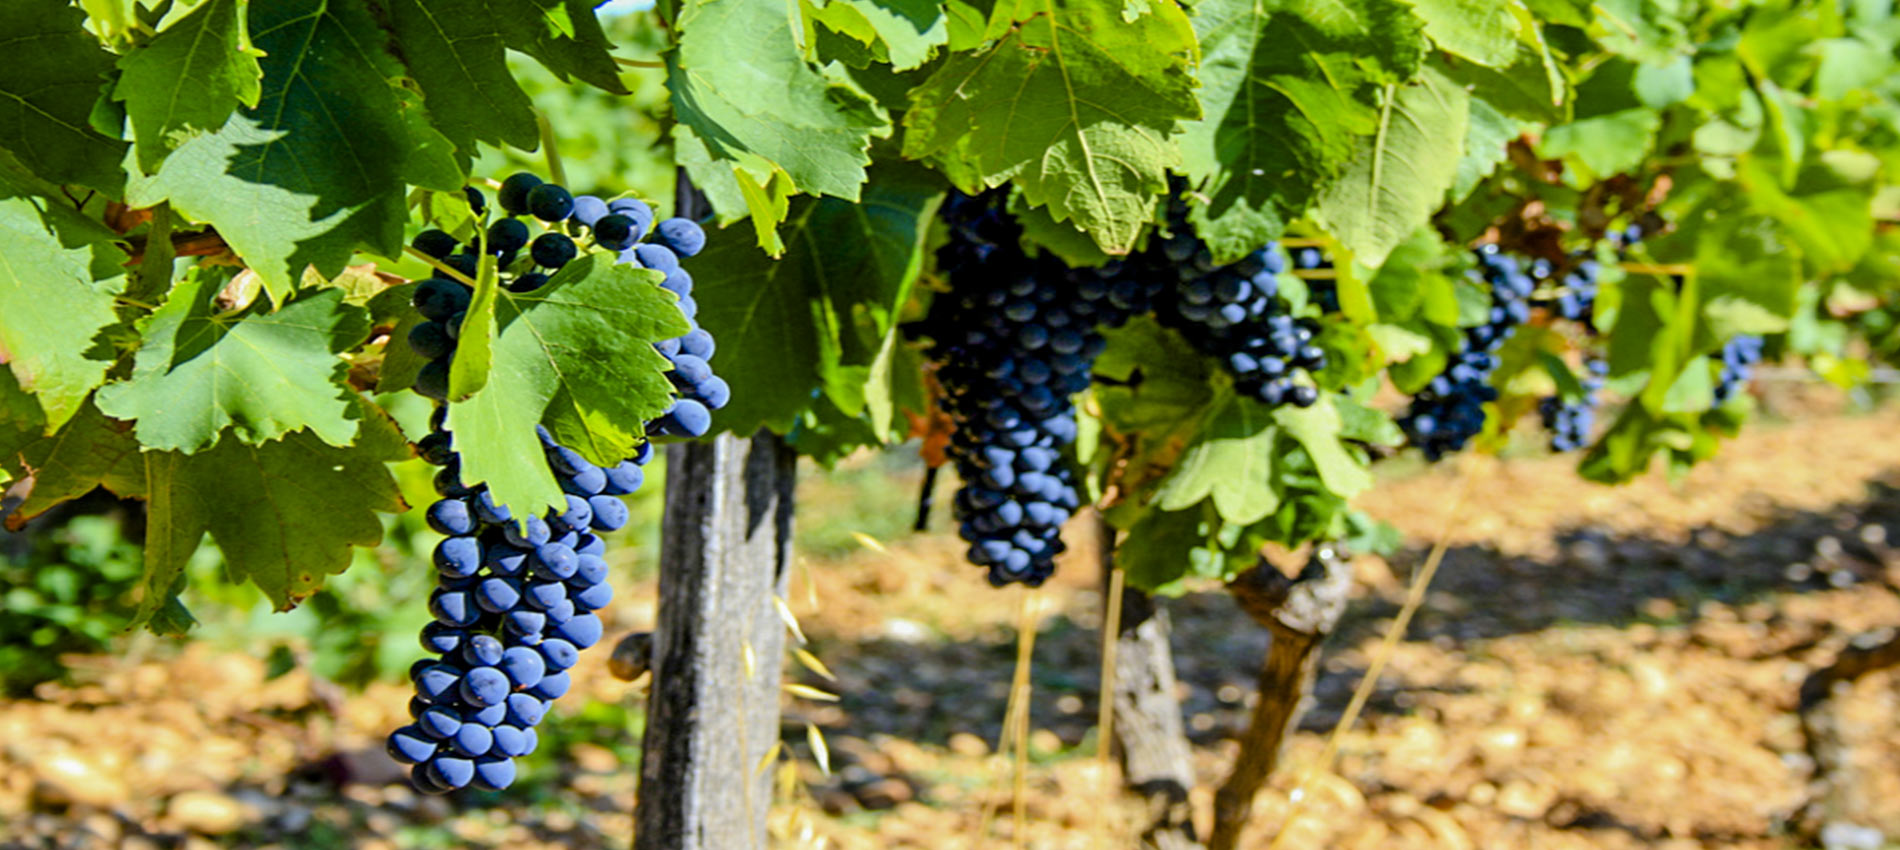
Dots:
pixel 187 80
pixel 1317 428
pixel 1602 146
pixel 1487 142
pixel 1483 31
pixel 1231 462
pixel 823 316
pixel 1397 177
pixel 285 514
pixel 48 88
pixel 1075 105
pixel 1829 213
pixel 318 168
pixel 53 308
pixel 1043 233
pixel 909 30
pixel 563 35
pixel 814 123
pixel 1746 277
pixel 262 372
pixel 1532 89
pixel 1156 381
pixel 1287 88
pixel 1163 547
pixel 577 356
pixel 455 51
pixel 475 345
pixel 88 451
pixel 745 185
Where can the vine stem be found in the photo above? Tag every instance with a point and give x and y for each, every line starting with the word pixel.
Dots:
pixel 639 63
pixel 1016 719
pixel 550 149
pixel 1414 597
pixel 1019 689
pixel 1111 634
pixel 439 265
pixel 1657 268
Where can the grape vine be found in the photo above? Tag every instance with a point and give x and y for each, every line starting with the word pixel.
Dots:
pixel 516 594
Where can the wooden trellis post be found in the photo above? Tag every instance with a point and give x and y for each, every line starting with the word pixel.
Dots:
pixel 713 710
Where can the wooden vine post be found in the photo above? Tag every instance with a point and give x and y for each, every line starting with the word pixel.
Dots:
pixel 713 706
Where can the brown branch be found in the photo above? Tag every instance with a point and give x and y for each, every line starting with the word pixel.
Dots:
pixel 1300 613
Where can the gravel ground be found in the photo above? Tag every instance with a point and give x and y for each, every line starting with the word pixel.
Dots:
pixel 1594 667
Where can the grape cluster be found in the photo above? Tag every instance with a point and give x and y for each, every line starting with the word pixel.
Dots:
pixel 1739 357
pixel 1576 297
pixel 1324 292
pixel 1234 313
pixel 514 605
pixel 1569 422
pixel 1449 410
pixel 1015 339
pixel 515 595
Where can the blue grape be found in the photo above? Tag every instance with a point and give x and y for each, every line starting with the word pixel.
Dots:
pixel 409 745
pixel 460 557
pixel 550 203
pixel 431 340
pixel 508 739
pixel 615 232
pixel 513 195
pixel 494 773
pixel 657 257
pixel 552 250
pixel 523 666
pixel 681 235
pixel 507 236
pixel 583 631
pixel 635 209
pixel 1737 359
pixel 552 686
pixel 609 513
pixel 558 655
pixel 434 243
pixel 451 517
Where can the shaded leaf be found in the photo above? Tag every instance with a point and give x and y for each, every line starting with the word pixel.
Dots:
pixel 1287 87
pixel 187 80
pixel 48 87
pixel 319 167
pixel 820 318
pixel 285 514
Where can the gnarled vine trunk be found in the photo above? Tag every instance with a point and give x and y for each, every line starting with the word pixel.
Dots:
pixel 1300 613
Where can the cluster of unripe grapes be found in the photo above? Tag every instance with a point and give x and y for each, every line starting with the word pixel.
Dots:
pixel 516 594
